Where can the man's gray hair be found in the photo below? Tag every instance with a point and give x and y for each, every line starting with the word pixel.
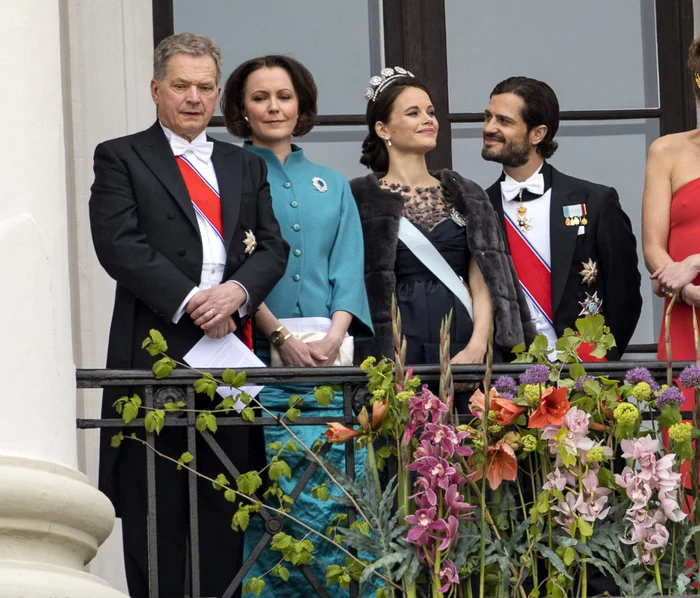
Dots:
pixel 185 43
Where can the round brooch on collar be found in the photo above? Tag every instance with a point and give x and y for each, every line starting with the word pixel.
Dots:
pixel 319 184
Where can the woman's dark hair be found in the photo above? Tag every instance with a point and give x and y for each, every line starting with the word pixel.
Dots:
pixel 233 99
pixel 541 108
pixel 374 152
pixel 694 66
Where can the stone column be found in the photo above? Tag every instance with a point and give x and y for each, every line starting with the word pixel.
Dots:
pixel 51 519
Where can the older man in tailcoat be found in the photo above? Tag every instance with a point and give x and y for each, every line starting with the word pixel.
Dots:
pixel 185 226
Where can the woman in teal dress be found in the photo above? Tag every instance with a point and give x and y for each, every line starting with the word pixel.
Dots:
pixel 268 100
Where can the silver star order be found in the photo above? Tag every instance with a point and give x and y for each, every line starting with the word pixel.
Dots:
pixel 592 304
pixel 589 272
pixel 249 242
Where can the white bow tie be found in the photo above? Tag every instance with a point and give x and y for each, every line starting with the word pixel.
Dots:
pixel 511 188
pixel 200 147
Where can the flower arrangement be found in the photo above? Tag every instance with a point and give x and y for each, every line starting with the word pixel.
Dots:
pixel 558 484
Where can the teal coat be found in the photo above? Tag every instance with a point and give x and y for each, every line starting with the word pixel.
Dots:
pixel 325 272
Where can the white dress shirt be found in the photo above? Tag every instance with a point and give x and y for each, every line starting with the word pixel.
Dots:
pixel 213 250
pixel 538 238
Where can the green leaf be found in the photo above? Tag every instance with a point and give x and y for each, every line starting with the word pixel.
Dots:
pixel 283 573
pixel 278 469
pixel 248 414
pixel 606 478
pixel 241 519
pixel 291 446
pixel 323 395
pixel 131 409
pixel 684 450
pixel 540 345
pixel 591 387
pixel 230 495
pixel 163 367
pixel 220 482
pixel 569 555
pixel 576 370
pixel 292 414
pixel 116 440
pixel 585 528
pixel 206 385
pixel 295 401
pixel 231 378
pixel 280 541
pixel 184 459
pixel 518 349
pixel 670 415
pixel 548 553
pixel 320 492
pixel 154 343
pixel 154 421
pixel 170 407
pixel 206 421
pixel 248 482
pixel 255 585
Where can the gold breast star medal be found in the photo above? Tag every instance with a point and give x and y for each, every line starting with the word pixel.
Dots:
pixel 523 221
pixel 249 242
pixel 591 305
pixel 589 272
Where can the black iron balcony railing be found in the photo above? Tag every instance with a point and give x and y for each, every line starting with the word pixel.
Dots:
pixel 179 387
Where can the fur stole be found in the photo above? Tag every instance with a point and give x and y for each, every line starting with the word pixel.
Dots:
pixel 380 212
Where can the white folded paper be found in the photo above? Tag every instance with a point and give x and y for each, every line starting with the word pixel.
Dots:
pixel 227 352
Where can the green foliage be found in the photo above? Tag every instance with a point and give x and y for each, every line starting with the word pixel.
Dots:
pixel 206 385
pixel 241 518
pixel 154 421
pixel 669 416
pixel 255 586
pixel 337 574
pixel 220 482
pixel 297 552
pixel 184 459
pixel 320 492
pixel 323 395
pixel 116 440
pixel 128 407
pixel 206 421
pixel 279 468
pixel 171 407
pixel 292 414
pixel 282 572
pixel 248 414
pixel 233 379
pixel 154 343
pixel 249 482
pixel 163 367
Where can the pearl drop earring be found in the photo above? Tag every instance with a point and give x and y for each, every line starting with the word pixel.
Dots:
pixel 388 142
pixel 246 119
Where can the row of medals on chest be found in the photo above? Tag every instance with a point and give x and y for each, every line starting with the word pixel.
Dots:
pixel 524 222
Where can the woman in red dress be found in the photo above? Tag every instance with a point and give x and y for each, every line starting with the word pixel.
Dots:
pixel 671 228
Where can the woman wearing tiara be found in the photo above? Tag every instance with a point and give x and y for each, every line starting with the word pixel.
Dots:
pixel 453 214
pixel 671 228
pixel 268 100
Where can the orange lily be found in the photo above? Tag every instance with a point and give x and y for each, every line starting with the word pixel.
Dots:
pixel 552 409
pixel 378 412
pixel 338 433
pixel 501 464
pixel 506 411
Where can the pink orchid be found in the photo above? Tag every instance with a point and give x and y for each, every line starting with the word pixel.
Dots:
pixel 444 437
pixel 447 575
pixel 642 449
pixel 672 509
pixel 423 522
pixel 437 470
pixel 567 509
pixel 426 404
pixel 555 480
pixel 455 501
pixel 647 557
pixel 657 537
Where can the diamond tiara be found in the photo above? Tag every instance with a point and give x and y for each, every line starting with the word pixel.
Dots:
pixel 380 82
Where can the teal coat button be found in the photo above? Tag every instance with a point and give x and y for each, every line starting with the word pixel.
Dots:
pixel 287 185
pixel 297 252
pixel 296 278
pixel 296 227
pixel 294 204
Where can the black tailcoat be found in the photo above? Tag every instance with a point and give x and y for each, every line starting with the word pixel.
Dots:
pixel 146 237
pixel 608 241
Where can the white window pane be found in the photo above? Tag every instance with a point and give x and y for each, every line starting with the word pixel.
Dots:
pixel 596 55
pixel 339 42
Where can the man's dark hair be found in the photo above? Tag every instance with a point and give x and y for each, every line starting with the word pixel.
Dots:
pixel 541 108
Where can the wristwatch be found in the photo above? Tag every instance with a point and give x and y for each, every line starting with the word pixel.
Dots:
pixel 277 338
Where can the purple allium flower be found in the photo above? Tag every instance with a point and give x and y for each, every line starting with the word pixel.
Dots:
pixel 636 375
pixel 506 384
pixel 670 396
pixel 506 395
pixel 581 381
pixel 537 374
pixel 690 377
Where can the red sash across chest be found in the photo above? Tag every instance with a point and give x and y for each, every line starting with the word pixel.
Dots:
pixel 208 203
pixel 536 279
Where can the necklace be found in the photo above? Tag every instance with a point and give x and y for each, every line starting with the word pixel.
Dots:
pixel 523 220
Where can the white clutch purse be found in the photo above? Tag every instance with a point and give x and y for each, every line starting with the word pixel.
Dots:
pixel 313 329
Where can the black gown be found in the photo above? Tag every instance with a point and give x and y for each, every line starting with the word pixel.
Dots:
pixel 424 301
